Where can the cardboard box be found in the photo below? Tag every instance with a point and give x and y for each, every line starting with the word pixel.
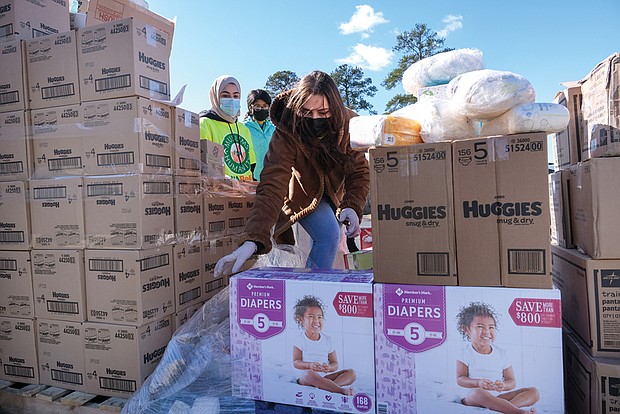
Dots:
pixel 181 317
pixel 413 211
pixel 212 158
pixel 57 135
pixel 359 260
pixel 268 311
pixel 129 287
pixel 590 383
pixel 365 238
pixel 53 70
pixel 123 58
pixel 59 284
pixel 133 211
pixel 186 142
pixel 60 347
pixel 419 343
pixel 212 251
pixel 18 350
pixel 590 289
pixel 31 19
pixel 13 77
pixel 120 358
pixel 127 135
pixel 215 217
pixel 16 297
pixel 596 195
pixel 14 216
pixel 238 210
pixel 188 209
pixel 601 109
pixel 57 213
pixel 102 11
pixel 188 280
pixel 568 144
pixel 559 193
pixel 501 199
pixel 15 141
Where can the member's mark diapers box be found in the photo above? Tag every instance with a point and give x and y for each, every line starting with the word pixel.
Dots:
pixel 303 337
pixel 427 336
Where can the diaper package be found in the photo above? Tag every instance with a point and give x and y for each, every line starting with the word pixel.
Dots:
pixel 528 117
pixel 381 130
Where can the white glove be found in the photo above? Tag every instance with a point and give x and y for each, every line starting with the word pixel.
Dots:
pixel 232 263
pixel 348 217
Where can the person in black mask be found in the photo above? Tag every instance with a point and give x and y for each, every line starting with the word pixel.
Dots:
pixel 257 121
pixel 310 175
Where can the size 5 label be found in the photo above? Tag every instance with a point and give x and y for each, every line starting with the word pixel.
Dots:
pixel 261 307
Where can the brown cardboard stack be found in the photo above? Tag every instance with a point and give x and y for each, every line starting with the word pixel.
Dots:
pixel 585 257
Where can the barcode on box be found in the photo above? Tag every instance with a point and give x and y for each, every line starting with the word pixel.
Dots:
pixel 12 237
pixel 189 188
pixel 63 307
pixel 59 164
pixel 217 226
pixel 115 82
pixel 156 187
pixel 153 160
pixel 118 158
pixel 105 265
pixel 527 261
pixel 44 193
pixel 70 377
pixel 153 85
pixel 188 164
pixel 154 262
pixel 12 167
pixel 96 190
pixel 58 91
pixel 14 370
pixel 433 264
pixel 213 285
pixel 9 97
pixel 236 222
pixel 6 30
pixel 382 408
pixel 117 384
pixel 189 295
pixel 9 265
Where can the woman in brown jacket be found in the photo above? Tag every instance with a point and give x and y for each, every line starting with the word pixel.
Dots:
pixel 311 176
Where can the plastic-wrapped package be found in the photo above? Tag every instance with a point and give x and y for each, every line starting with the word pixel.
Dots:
pixel 486 94
pixel 195 368
pixel 382 130
pixel 528 117
pixel 439 120
pixel 441 68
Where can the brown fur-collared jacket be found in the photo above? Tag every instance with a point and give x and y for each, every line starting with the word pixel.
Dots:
pixel 292 185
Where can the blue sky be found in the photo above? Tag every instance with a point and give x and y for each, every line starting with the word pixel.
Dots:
pixel 546 41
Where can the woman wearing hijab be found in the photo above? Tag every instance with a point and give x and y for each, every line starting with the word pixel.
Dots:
pixel 220 125
pixel 311 176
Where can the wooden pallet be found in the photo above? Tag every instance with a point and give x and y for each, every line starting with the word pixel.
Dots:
pixel 18 398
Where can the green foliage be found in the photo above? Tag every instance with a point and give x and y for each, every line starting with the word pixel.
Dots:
pixel 354 88
pixel 399 101
pixel 281 81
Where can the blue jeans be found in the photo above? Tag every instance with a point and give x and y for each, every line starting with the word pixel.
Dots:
pixel 324 230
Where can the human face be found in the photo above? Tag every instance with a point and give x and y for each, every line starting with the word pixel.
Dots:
pixel 481 333
pixel 312 322
pixel 260 104
pixel 230 91
pixel 316 106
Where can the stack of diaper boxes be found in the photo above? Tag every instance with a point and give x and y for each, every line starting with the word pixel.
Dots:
pixel 103 249
pixel 586 244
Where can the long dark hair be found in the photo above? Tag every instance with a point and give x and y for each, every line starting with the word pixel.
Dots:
pixel 326 152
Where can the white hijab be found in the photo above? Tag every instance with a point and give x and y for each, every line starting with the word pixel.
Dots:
pixel 214 96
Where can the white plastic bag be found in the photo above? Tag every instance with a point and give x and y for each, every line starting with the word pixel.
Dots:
pixel 441 68
pixel 486 94
pixel 528 117
pixel 381 130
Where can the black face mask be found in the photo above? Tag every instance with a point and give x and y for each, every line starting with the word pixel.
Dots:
pixel 260 114
pixel 319 127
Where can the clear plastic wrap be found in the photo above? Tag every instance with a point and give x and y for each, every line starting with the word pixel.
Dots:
pixel 486 94
pixel 439 120
pixel 528 117
pixel 195 369
pixel 441 68
pixel 381 130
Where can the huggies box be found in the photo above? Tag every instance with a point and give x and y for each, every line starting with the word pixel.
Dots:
pixel 446 349
pixel 303 337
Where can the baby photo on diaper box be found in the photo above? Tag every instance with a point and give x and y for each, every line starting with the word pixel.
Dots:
pixel 468 350
pixel 303 337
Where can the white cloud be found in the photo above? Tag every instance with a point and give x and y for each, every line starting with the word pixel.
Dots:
pixel 452 23
pixel 362 21
pixel 368 57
